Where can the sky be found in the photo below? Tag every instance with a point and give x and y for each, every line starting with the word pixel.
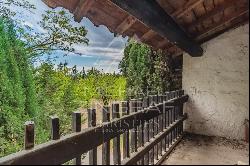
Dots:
pixel 104 51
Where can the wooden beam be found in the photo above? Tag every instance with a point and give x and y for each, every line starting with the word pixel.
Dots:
pixel 225 20
pixel 175 51
pixel 126 24
pixel 51 3
pixel 165 4
pixel 190 5
pixel 212 13
pixel 151 14
pixel 239 22
pixel 163 43
pixel 148 35
pixel 82 9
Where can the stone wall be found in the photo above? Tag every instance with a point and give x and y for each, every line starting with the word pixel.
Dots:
pixel 217 84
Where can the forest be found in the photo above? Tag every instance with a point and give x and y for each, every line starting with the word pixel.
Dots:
pixel 29 92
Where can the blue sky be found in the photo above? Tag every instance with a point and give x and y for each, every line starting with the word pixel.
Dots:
pixel 103 52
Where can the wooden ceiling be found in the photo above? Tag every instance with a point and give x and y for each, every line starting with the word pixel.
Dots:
pixel 201 20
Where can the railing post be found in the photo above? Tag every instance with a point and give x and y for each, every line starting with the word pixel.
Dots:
pixel 146 129
pixel 55 128
pixel 106 145
pixel 29 135
pixel 116 141
pixel 175 116
pixel 76 126
pixel 181 112
pixel 160 128
pixel 167 120
pixel 126 147
pixel 156 129
pixel 133 108
pixel 140 129
pixel 92 123
pixel 164 147
pixel 170 111
pixel 178 115
pixel 151 131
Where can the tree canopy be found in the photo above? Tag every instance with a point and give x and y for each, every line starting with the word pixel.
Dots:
pixel 147 71
pixel 59 32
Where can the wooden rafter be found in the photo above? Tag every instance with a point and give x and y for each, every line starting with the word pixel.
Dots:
pixel 126 24
pixel 187 7
pixel 218 9
pixel 236 23
pixel 82 9
pixel 148 35
pixel 162 43
pixel 160 31
pixel 174 51
pixel 165 4
pixel 150 13
pixel 225 20
pixel 190 5
pixel 51 3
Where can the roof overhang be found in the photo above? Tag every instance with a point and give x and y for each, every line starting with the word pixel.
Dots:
pixel 173 26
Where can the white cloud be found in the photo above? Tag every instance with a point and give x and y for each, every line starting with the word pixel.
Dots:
pixel 71 54
pixel 105 52
pixel 102 43
pixel 27 23
pixel 108 66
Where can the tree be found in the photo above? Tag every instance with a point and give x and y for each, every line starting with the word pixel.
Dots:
pixel 74 72
pixel 60 34
pixel 93 71
pixel 60 66
pixel 17 90
pixel 146 71
pixel 136 67
pixel 83 73
pixel 6 12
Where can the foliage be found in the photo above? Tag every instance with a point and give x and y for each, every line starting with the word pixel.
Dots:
pixel 58 32
pixel 63 90
pixel 6 12
pixel 17 93
pixel 28 93
pixel 54 83
pixel 147 71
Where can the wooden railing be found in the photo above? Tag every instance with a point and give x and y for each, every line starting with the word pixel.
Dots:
pixel 150 129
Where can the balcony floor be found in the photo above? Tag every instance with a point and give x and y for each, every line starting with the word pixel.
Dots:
pixel 200 150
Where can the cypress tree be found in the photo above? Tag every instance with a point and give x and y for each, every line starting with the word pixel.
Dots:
pixel 17 90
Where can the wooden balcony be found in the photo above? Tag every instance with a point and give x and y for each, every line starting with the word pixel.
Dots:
pixel 144 131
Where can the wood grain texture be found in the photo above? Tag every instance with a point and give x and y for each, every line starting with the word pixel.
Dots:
pixel 53 152
pixel 193 16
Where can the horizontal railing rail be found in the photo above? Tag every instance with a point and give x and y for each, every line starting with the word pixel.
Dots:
pixel 137 119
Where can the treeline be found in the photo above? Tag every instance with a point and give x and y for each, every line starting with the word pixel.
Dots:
pixel 62 90
pixel 28 93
